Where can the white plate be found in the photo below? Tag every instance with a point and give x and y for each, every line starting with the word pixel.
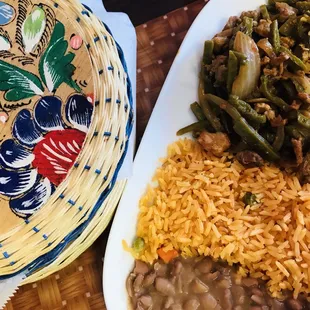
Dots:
pixel 170 114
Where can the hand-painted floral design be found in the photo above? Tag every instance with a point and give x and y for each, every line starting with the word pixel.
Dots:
pixel 43 149
pixel 55 64
pixel 39 144
pixel 7 13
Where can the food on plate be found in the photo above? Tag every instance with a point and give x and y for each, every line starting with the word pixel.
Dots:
pixel 254 85
pixel 200 283
pixel 226 223
pixel 256 219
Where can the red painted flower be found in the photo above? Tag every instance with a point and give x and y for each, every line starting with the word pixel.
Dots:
pixel 57 152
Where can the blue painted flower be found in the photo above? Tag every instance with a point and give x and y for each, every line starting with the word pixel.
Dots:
pixel 7 13
pixel 44 148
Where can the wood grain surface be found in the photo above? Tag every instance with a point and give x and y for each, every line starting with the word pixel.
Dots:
pixel 79 286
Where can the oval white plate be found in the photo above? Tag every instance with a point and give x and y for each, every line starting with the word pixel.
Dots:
pixel 171 113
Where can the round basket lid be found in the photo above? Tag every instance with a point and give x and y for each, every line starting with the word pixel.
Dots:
pixel 65 119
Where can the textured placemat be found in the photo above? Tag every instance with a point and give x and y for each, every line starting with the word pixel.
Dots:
pixel 79 286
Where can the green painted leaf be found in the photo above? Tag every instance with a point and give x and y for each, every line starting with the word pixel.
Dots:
pixel 55 65
pixel 17 83
pixel 33 28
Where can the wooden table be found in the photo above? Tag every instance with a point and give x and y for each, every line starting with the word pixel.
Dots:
pixel 79 286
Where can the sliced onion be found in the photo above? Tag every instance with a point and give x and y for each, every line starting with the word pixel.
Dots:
pixel 247 79
pixel 301 82
pixel 266 46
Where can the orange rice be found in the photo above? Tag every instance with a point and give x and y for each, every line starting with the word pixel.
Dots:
pixel 195 206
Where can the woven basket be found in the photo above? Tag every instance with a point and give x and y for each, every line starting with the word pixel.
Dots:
pixel 82 205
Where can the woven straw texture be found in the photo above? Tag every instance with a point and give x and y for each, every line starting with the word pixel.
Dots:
pixel 79 286
pixel 74 215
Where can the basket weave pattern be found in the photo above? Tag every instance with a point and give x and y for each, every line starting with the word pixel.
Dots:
pixel 75 202
pixel 79 285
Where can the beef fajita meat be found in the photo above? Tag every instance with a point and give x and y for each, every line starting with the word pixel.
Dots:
pixel 277 61
pixel 297 145
pixel 285 10
pixel 216 143
pixel 304 97
pixel 250 159
pixel 296 104
pixel 232 21
pixel 278 121
pixel 255 14
pixel 263 28
pixel 264 61
pixel 287 42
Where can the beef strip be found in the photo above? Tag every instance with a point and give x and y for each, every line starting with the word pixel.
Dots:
pixel 265 61
pixel 218 68
pixel 296 104
pixel 287 42
pixel 232 22
pixel 263 28
pixel 271 71
pixel 216 143
pixel 285 10
pixel 304 97
pixel 220 42
pixel 262 107
pixel 250 159
pixel 277 61
pixel 278 121
pixel 252 14
pixel 297 145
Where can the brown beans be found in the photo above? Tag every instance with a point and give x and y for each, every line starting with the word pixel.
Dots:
pixel 129 285
pixel 258 299
pixel 177 268
pixel 277 305
pixel 161 269
pixel 239 294
pixel 208 301
pixel 169 302
pixel 137 284
pixel 198 287
pixel 188 276
pixel 141 268
pixel 257 292
pixel 248 282
pixel 205 265
pixel 195 284
pixel 149 279
pixel 227 300
pixel 192 304
pixel 225 283
pixel 146 301
pixel 164 286
pixel 212 276
pixel 294 304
